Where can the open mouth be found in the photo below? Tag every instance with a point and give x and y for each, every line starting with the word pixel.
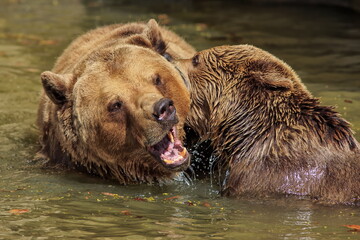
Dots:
pixel 170 151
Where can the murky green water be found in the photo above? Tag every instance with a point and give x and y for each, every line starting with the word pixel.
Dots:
pixel 322 44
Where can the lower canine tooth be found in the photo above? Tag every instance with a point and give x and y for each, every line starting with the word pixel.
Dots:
pixel 183 152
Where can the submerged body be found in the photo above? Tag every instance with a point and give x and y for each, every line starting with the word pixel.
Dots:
pixel 114 106
pixel 270 135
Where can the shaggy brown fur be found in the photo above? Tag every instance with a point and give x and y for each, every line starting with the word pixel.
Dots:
pixel 271 136
pixel 113 103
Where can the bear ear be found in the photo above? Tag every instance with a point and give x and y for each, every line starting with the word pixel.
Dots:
pixel 273 81
pixel 56 86
pixel 139 40
pixel 154 35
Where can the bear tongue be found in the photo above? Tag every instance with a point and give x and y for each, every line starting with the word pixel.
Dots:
pixel 174 151
pixel 170 150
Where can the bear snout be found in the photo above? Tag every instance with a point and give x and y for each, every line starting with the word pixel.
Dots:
pixel 165 111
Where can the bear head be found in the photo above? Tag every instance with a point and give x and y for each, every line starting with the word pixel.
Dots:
pixel 121 112
pixel 242 77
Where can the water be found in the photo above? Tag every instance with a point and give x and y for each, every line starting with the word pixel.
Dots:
pixel 322 44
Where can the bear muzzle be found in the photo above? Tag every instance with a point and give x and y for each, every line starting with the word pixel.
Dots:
pixel 165 111
pixel 169 150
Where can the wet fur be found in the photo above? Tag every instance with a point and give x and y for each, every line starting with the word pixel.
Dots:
pixel 270 135
pixel 67 136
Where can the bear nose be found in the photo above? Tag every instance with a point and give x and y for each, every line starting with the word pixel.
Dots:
pixel 164 110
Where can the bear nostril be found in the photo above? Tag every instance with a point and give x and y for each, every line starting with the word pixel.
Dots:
pixel 164 110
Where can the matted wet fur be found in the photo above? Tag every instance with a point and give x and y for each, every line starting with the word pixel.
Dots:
pixel 270 135
pixel 114 105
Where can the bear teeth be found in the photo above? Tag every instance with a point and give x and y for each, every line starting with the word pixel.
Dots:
pixel 170 150
pixel 171 136
pixel 168 161
pixel 183 153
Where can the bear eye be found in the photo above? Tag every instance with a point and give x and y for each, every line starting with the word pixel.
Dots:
pixel 157 80
pixel 115 106
pixel 195 60
pixel 168 57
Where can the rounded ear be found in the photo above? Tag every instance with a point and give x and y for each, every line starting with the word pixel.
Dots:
pixel 56 86
pixel 139 40
pixel 154 35
pixel 273 81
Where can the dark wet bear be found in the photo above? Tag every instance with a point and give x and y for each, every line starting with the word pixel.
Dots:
pixel 270 135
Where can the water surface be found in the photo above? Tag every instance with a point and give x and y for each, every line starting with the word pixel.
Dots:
pixel 321 43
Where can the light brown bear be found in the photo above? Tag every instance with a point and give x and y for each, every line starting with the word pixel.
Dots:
pixel 270 135
pixel 114 105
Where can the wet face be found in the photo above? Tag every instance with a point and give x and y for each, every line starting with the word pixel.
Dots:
pixel 133 104
pixel 245 66
pixel 203 79
pixel 240 77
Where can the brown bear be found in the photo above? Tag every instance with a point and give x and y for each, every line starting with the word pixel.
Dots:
pixel 269 134
pixel 114 105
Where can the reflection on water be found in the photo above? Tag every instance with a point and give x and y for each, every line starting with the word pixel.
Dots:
pixel 322 44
